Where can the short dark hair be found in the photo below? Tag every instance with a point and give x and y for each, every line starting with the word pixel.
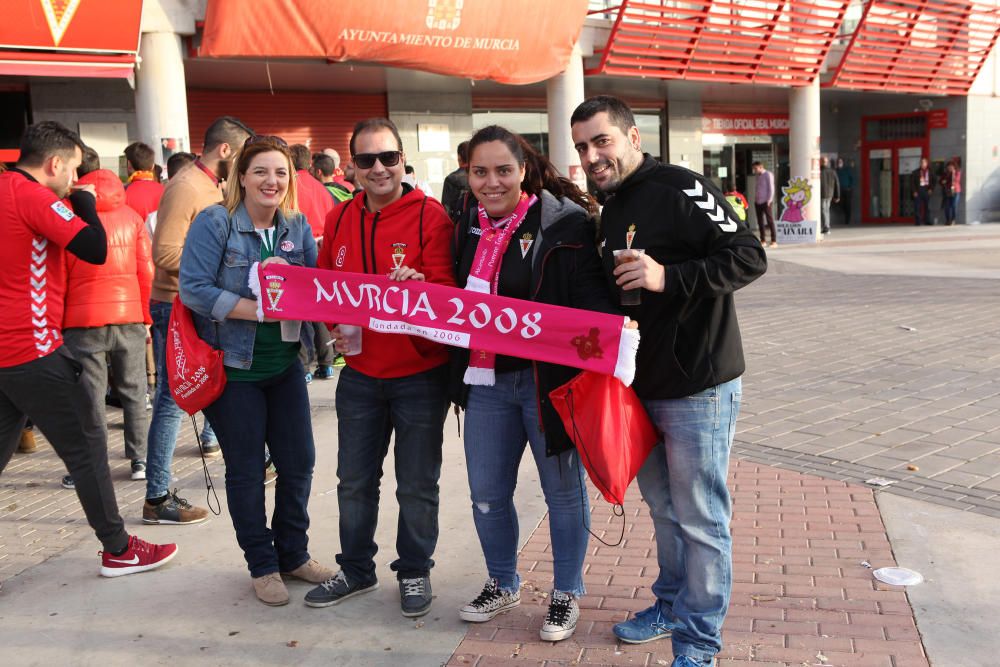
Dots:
pixel 178 161
pixel 43 140
pixel 91 162
pixel 324 164
pixel 372 125
pixel 757 163
pixel 407 169
pixel 301 157
pixel 463 152
pixel 227 130
pixel 140 156
pixel 619 113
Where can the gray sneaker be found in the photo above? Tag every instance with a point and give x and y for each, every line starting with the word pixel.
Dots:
pixel 490 602
pixel 415 596
pixel 560 622
pixel 336 589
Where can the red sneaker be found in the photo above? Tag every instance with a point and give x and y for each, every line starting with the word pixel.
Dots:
pixel 139 557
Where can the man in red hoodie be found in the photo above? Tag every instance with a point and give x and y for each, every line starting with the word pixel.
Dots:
pixel 107 312
pixel 144 190
pixel 396 383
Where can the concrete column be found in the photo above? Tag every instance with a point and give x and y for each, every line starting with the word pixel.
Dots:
pixel 803 144
pixel 563 93
pixel 161 94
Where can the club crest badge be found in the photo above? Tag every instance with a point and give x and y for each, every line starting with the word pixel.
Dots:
pixel 287 246
pixel 629 236
pixel 398 254
pixel 589 346
pixel 274 290
pixel 526 240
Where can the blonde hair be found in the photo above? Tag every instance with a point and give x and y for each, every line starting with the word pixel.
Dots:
pixel 234 191
pixel 797 185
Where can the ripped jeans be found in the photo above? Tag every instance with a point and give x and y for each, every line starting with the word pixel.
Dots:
pixel 499 421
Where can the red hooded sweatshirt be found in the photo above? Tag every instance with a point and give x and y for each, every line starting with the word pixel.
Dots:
pixel 359 241
pixel 315 202
pixel 116 292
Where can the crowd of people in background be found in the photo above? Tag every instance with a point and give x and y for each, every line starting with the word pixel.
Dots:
pixel 99 265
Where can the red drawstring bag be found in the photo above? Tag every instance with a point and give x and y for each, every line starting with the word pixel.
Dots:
pixel 195 372
pixel 609 427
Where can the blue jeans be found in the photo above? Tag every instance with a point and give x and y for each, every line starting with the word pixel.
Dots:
pixel 951 207
pixel 499 421
pixel 684 484
pixel 275 410
pixel 369 410
pixel 167 417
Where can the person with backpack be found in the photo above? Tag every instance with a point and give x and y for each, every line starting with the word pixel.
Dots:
pixel 265 398
pixel 528 233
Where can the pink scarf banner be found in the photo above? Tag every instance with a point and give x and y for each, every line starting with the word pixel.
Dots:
pixel 483 322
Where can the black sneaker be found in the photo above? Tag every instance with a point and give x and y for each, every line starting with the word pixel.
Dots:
pixel 336 589
pixel 67 482
pixel 491 601
pixel 138 469
pixel 415 596
pixel 560 622
pixel 210 448
pixel 324 373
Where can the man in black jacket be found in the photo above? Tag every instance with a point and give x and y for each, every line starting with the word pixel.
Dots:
pixel 694 254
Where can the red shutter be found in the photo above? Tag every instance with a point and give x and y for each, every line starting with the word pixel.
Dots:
pixel 319 120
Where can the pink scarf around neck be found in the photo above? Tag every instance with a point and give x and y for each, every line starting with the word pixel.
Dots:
pixel 484 277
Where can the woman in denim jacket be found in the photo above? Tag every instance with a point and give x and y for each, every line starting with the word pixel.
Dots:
pixel 265 399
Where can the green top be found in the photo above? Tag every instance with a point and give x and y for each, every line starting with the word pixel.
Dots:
pixel 271 355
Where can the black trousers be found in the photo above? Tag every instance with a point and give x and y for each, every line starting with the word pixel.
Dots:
pixel 49 391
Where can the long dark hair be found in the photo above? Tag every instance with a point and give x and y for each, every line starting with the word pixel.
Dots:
pixel 539 174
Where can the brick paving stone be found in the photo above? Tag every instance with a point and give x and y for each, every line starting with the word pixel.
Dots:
pixel 801 593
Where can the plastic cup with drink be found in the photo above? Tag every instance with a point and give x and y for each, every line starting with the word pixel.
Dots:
pixel 630 297
pixel 351 336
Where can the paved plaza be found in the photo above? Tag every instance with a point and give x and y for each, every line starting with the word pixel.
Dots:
pixel 872 354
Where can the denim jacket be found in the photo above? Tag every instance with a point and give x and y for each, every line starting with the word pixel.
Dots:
pixel 215 267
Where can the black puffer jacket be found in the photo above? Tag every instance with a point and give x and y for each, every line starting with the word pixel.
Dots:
pixel 565 271
pixel 690 335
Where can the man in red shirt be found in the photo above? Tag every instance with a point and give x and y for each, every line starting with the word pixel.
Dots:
pixel 315 203
pixel 143 190
pixel 39 378
pixel 396 384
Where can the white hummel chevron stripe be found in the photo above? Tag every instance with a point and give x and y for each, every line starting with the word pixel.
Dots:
pixel 38 284
pixel 40 244
pixel 715 212
pixel 38 271
pixel 44 349
pixel 41 324
pixel 38 297
pixel 39 310
pixel 39 258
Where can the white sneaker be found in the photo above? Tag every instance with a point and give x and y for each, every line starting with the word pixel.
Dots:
pixel 560 622
pixel 490 602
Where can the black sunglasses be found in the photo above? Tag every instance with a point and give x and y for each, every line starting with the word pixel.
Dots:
pixel 367 160
pixel 265 138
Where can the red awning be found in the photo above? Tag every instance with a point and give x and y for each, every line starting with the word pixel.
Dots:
pixel 26 63
pixel 777 42
pixel 69 38
pixel 919 46
pixel 510 41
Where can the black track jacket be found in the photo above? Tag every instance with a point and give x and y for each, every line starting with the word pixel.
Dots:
pixel 690 335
